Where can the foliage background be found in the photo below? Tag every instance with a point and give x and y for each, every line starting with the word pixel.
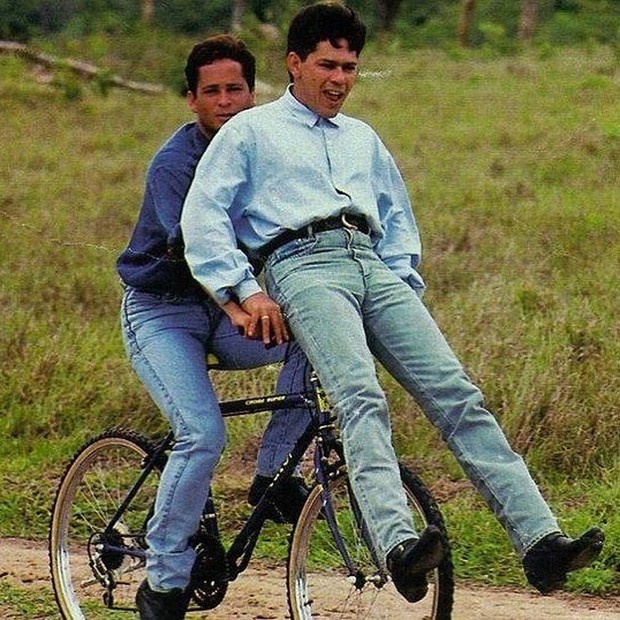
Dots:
pixel 418 23
pixel 511 157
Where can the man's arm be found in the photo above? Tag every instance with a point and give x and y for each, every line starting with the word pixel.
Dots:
pixel 400 248
pixel 211 249
pixel 210 241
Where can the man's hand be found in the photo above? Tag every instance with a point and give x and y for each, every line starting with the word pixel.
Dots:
pixel 237 315
pixel 266 319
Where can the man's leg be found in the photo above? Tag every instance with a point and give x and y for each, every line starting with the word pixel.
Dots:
pixel 405 338
pixel 321 291
pixel 166 344
pixel 285 426
pixel 315 283
pixel 235 352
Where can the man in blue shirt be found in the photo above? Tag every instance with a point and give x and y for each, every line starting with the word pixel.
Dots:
pixel 170 324
pixel 317 195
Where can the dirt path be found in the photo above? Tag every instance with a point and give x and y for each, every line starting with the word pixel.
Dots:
pixel 259 594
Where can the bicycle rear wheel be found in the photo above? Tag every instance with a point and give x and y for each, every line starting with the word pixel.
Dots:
pixel 319 584
pixel 88 578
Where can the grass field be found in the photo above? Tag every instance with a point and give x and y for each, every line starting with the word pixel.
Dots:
pixel 513 167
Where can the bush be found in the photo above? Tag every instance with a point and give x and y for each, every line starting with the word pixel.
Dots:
pixel 193 16
pixel 419 23
pixel 588 25
pixel 19 19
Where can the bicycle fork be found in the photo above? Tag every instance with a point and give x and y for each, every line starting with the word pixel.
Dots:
pixel 326 443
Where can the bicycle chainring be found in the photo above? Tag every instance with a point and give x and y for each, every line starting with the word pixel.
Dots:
pixel 209 574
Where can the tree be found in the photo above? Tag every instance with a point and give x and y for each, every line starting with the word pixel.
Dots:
pixel 387 10
pixel 148 10
pixel 237 15
pixel 80 68
pixel 528 20
pixel 465 21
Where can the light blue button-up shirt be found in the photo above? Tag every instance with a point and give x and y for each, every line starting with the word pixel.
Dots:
pixel 281 166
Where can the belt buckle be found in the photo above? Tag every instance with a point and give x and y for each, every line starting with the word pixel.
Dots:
pixel 346 223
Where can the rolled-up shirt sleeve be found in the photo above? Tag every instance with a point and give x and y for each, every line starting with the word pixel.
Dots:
pixel 211 248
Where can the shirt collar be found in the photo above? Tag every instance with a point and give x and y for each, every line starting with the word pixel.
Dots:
pixel 303 113
pixel 200 139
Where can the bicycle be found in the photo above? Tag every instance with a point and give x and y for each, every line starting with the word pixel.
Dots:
pixel 105 497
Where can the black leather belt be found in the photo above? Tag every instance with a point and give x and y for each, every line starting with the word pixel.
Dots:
pixel 344 220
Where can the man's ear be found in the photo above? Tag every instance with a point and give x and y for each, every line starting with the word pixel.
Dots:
pixel 293 62
pixel 191 100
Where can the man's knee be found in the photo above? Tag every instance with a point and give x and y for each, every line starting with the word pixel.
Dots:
pixel 206 440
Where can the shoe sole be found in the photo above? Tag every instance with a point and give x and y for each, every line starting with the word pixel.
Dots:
pixel 430 550
pixel 431 554
pixel 594 546
pixel 589 553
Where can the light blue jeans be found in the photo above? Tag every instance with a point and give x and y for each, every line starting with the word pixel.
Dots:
pixel 344 306
pixel 167 339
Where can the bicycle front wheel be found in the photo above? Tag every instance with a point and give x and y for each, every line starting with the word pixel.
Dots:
pixel 96 568
pixel 319 585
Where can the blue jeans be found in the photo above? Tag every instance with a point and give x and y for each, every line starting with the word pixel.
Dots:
pixel 167 339
pixel 344 306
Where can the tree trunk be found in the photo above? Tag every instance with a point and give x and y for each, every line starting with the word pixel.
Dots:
pixel 79 67
pixel 387 11
pixel 528 21
pixel 465 22
pixel 148 9
pixel 237 15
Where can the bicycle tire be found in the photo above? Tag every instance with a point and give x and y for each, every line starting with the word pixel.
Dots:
pixel 318 582
pixel 91 489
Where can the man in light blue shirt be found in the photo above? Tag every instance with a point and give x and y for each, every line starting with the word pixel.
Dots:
pixel 170 325
pixel 317 196
pixel 352 171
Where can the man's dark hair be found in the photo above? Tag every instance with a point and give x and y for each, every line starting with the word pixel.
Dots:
pixel 220 47
pixel 325 21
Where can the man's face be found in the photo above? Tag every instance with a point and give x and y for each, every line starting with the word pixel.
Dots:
pixel 324 79
pixel 221 92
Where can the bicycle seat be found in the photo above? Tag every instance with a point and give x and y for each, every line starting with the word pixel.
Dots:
pixel 213 361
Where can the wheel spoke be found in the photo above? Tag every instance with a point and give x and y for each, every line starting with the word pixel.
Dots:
pixel 89 494
pixel 318 583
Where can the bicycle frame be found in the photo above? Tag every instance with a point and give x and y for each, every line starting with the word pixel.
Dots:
pixel 97 543
pixel 320 427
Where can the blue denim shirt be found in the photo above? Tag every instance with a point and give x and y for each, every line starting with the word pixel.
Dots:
pixel 280 166
pixel 154 260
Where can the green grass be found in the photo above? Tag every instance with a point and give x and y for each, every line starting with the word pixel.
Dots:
pixel 512 165
pixel 27 604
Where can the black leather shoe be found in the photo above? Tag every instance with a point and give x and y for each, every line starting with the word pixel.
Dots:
pixel 547 563
pixel 410 561
pixel 161 605
pixel 288 501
